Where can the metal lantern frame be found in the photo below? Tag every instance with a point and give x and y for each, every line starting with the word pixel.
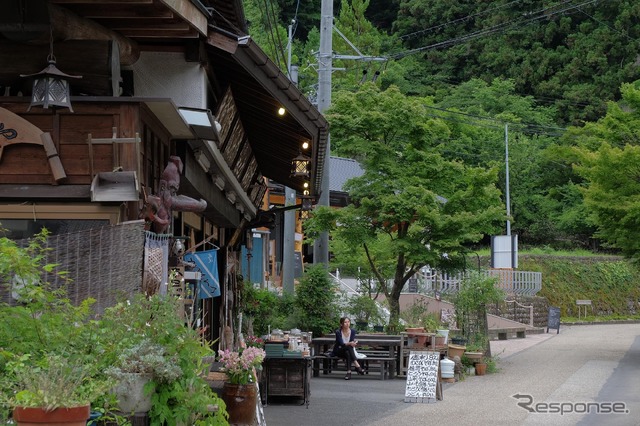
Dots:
pixel 51 86
pixel 300 166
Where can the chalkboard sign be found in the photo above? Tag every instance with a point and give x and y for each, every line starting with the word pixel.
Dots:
pixel 422 376
pixel 553 321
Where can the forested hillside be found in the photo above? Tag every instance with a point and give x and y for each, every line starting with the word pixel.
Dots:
pixel 554 83
pixel 571 54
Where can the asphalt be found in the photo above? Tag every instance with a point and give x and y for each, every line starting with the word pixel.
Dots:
pixel 579 371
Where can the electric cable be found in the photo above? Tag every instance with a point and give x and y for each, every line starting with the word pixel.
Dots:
pixel 532 17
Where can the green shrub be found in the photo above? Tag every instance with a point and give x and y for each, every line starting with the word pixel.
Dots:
pixel 265 309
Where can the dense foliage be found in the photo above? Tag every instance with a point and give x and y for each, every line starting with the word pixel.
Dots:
pixel 572 55
pixel 316 308
pixel 55 353
pixel 496 76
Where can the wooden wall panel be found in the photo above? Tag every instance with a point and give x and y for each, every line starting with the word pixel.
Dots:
pixel 226 115
pixel 16 159
pixel 28 164
pixel 249 175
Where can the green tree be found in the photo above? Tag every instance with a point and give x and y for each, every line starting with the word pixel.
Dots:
pixel 604 189
pixel 267 30
pixel 315 304
pixel 412 205
pixel 612 196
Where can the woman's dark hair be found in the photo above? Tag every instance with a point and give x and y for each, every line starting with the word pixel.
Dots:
pixel 343 319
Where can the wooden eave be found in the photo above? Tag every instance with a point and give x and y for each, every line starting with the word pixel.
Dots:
pixel 144 20
pixel 259 89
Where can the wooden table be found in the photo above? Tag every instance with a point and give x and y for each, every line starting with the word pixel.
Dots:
pixel 389 343
pixel 288 377
pixel 405 348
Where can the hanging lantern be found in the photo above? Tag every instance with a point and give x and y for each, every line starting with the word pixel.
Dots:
pixel 300 166
pixel 307 204
pixel 51 86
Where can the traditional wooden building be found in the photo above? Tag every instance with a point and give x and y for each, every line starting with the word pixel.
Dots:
pixel 171 93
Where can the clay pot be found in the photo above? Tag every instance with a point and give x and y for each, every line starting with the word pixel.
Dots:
pixel 71 416
pixel 481 368
pixel 241 403
pixel 456 350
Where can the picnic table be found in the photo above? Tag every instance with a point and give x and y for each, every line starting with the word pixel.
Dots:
pixel 380 349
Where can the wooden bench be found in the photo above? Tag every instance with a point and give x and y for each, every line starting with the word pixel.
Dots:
pixel 385 364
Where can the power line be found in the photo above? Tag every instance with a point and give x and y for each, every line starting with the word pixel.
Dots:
pixel 533 17
pixel 607 25
pixel 455 21
pixel 271 19
pixel 526 127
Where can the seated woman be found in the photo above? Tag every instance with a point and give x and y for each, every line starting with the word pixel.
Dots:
pixel 345 346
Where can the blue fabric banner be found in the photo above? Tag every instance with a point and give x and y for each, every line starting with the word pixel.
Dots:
pixel 206 263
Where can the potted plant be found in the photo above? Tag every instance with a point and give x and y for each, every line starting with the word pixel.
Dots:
pixel 481 367
pixel 443 330
pixel 458 340
pixel 240 391
pixel 417 318
pixel 138 370
pixel 54 390
pixel 475 351
pixel 48 364
pixel 44 325
pixel 173 354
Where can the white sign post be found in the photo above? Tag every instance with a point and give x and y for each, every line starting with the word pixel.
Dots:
pixel 422 376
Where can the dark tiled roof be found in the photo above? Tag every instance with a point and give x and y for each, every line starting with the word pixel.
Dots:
pixel 340 171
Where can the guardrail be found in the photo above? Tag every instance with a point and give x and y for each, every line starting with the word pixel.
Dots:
pixel 526 283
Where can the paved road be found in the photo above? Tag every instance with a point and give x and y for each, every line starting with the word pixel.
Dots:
pixel 552 372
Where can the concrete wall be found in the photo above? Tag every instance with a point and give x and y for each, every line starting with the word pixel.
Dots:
pixel 168 75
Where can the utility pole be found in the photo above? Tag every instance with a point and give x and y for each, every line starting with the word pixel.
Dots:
pixel 325 68
pixel 325 64
pixel 506 165
pixel 288 249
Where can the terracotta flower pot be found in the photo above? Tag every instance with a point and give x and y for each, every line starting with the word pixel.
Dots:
pixel 481 368
pixel 456 350
pixel 72 416
pixel 474 355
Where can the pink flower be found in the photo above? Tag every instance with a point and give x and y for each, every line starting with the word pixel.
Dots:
pixel 239 367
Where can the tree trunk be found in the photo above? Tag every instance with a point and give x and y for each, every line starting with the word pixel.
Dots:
pixel 394 315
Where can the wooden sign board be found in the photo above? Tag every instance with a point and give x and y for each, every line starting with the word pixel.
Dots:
pixel 553 320
pixel 422 376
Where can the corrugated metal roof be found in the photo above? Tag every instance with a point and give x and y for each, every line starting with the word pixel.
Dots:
pixel 341 170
